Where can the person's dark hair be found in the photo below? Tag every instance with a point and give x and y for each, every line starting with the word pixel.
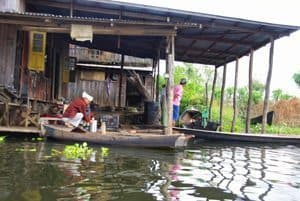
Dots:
pixel 183 81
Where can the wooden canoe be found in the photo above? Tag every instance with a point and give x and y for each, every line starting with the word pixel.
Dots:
pixel 120 138
pixel 241 137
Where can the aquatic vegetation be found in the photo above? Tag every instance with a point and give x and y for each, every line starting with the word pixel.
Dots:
pixel 37 139
pixel 76 151
pixel 26 150
pixel 2 138
pixel 104 151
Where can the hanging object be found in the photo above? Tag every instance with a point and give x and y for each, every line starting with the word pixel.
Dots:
pixel 82 32
pixel 37 49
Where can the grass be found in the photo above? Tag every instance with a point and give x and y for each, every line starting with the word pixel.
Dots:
pixel 240 123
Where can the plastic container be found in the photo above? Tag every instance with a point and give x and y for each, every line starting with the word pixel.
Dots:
pixel 103 127
pixel 93 126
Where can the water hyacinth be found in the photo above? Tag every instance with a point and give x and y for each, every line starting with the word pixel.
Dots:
pixel 76 151
pixel 2 138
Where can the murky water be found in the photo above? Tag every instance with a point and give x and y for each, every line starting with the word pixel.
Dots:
pixel 203 171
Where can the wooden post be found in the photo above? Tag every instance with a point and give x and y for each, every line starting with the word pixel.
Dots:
pixel 170 82
pixel 213 92
pixel 267 89
pixel 249 92
pixel 157 77
pixel 121 80
pixel 234 95
pixel 71 8
pixel 222 96
pixel 154 80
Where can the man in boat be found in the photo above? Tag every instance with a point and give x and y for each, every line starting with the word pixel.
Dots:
pixel 77 110
pixel 177 95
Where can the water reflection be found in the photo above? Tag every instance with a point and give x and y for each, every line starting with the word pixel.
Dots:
pixel 205 171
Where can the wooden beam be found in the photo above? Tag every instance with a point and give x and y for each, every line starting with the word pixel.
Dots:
pixel 250 90
pixel 197 50
pixel 170 82
pixel 213 92
pixel 205 38
pixel 222 97
pixel 234 95
pixel 127 31
pixel 267 88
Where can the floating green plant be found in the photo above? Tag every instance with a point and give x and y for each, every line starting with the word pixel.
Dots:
pixel 37 139
pixel 76 151
pixel 2 138
pixel 104 151
pixel 26 149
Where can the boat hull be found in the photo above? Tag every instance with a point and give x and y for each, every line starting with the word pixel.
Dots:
pixel 118 138
pixel 242 137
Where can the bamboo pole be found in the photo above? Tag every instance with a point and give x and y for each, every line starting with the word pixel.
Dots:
pixel 170 82
pixel 234 105
pixel 222 96
pixel 250 90
pixel 267 88
pixel 213 92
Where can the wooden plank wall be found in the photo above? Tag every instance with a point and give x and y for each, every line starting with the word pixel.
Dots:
pixel 97 89
pixel 8 37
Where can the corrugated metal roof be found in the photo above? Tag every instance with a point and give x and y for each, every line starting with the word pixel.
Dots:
pixel 201 38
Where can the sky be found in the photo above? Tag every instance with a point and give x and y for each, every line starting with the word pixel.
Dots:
pixel 287 49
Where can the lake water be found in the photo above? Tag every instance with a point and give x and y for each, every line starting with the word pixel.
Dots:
pixel 202 171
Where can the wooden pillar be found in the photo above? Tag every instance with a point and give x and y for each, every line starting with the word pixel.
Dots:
pixel 213 92
pixel 170 82
pixel 157 77
pixel 121 80
pixel 267 88
pixel 234 105
pixel 154 72
pixel 250 90
pixel 222 96
pixel 71 8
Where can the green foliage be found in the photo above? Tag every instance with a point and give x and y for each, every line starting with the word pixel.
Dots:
pixel 194 90
pixel 296 78
pixel 279 95
pixel 2 138
pixel 75 151
pixel 276 129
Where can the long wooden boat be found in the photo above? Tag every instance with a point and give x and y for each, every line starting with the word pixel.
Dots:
pixel 121 138
pixel 241 137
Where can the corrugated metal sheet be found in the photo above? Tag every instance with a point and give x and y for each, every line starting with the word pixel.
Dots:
pixel 8 37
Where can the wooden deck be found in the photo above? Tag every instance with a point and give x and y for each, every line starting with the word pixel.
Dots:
pixel 19 129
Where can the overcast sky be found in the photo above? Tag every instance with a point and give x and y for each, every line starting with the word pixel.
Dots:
pixel 287 49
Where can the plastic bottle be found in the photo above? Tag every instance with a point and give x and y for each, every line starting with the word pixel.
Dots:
pixel 103 127
pixel 93 126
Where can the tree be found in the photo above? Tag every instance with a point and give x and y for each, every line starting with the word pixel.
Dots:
pixel 296 77
pixel 277 94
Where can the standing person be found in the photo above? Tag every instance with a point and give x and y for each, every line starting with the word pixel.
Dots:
pixel 78 110
pixel 177 94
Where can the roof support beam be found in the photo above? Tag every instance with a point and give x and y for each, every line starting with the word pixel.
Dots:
pixel 205 38
pixel 267 88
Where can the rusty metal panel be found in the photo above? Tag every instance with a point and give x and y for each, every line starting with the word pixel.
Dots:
pixel 8 37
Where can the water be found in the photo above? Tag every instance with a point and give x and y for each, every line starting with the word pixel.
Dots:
pixel 203 171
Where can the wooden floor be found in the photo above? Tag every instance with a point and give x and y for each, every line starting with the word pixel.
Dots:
pixel 19 129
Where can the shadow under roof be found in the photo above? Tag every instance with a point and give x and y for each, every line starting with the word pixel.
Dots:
pixel 200 38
